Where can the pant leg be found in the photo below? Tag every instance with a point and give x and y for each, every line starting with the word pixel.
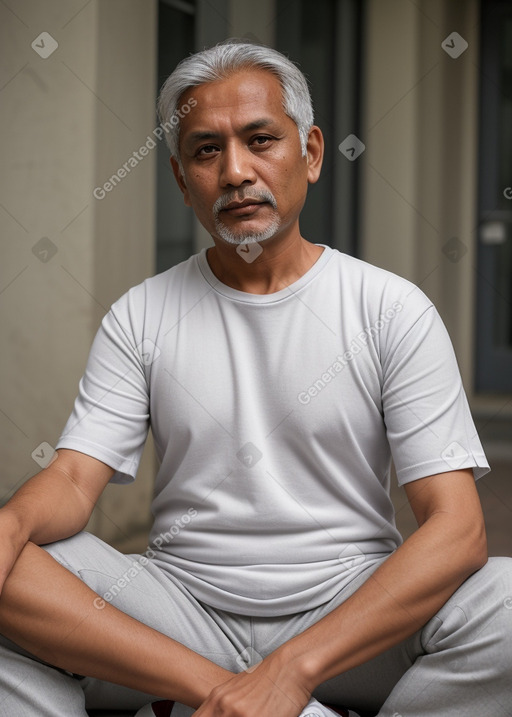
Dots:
pixel 29 688
pixel 459 664
pixel 363 689
pixel 466 665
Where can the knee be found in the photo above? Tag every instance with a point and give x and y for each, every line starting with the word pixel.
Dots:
pixel 503 570
pixel 493 597
pixel 484 600
pixel 479 614
pixel 496 577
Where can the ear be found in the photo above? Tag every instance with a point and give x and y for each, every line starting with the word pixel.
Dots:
pixel 315 153
pixel 180 179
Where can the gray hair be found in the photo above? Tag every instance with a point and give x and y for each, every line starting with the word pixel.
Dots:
pixel 218 63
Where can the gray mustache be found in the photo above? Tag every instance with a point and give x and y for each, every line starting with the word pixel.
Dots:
pixel 260 195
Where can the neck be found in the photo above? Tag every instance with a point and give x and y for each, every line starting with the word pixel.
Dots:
pixel 279 264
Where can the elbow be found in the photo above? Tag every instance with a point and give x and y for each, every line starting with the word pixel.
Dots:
pixel 483 551
pixel 475 548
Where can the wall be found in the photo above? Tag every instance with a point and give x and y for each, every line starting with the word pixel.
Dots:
pixel 69 120
pixel 420 163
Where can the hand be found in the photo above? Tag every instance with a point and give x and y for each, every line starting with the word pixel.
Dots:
pixel 12 542
pixel 273 687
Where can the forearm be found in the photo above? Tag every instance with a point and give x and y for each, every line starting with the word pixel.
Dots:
pixel 51 613
pixel 396 601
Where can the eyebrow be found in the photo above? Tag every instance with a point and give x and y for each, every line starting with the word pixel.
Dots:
pixel 201 135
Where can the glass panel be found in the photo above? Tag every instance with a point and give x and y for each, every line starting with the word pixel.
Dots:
pixel 311 39
pixel 174 219
pixel 503 314
pixel 505 110
pixel 494 306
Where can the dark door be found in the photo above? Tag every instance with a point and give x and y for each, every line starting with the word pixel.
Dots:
pixel 494 289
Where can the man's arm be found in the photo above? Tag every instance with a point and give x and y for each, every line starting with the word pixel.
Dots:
pixel 411 586
pixel 51 613
pixel 55 503
pixel 397 600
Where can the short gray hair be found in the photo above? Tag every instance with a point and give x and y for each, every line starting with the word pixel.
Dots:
pixel 218 63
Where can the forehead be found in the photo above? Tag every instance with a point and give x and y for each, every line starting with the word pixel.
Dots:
pixel 239 98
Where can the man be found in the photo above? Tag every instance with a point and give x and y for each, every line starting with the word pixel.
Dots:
pixel 279 377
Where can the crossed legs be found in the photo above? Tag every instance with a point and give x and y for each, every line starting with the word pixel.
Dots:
pixel 54 616
pixel 462 657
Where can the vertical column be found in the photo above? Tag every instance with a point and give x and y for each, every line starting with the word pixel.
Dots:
pixel 124 237
pixel 78 94
pixel 389 162
pixel 420 163
pixel 48 310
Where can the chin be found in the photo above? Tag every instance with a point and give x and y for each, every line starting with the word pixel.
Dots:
pixel 256 237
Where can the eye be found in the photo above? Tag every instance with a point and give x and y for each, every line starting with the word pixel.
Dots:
pixel 262 140
pixel 206 150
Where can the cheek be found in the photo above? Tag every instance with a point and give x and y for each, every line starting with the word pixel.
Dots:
pixel 199 188
pixel 289 182
pixel 201 200
pixel 285 171
pixel 292 191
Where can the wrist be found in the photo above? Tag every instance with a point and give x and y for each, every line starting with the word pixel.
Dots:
pixel 301 661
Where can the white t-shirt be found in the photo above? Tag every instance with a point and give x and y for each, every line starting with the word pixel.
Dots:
pixel 275 418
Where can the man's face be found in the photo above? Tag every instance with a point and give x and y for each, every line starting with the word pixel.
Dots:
pixel 244 173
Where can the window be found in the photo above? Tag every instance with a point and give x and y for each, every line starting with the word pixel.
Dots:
pixel 174 219
pixel 326 44
pixel 494 309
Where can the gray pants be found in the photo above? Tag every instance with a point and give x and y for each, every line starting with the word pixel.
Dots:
pixel 460 663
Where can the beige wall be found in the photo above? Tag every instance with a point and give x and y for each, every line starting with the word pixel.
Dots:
pixel 68 122
pixel 420 163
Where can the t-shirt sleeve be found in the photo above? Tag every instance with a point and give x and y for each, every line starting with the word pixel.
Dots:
pixel 110 418
pixel 428 421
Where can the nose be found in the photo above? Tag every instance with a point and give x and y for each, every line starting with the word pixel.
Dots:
pixel 236 166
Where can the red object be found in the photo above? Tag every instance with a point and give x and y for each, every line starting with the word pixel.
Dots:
pixel 162 708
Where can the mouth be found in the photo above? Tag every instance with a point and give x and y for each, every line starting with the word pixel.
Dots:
pixel 248 206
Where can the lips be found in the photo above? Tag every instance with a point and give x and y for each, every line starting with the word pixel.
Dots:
pixel 241 205
pixel 248 206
